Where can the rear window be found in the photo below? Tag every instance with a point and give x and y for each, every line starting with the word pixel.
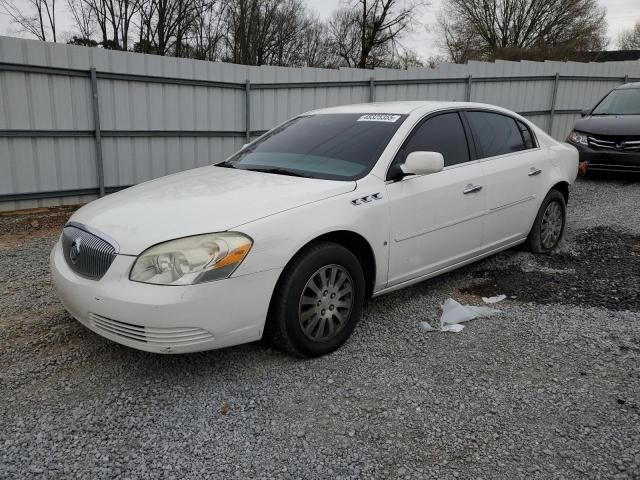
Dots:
pixel 496 134
pixel 342 146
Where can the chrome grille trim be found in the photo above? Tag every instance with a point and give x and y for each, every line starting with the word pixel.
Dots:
pixel 163 337
pixel 620 145
pixel 95 253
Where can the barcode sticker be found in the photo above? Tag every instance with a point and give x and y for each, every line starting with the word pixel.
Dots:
pixel 378 117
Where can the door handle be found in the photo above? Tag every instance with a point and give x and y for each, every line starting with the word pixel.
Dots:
pixel 534 171
pixel 471 189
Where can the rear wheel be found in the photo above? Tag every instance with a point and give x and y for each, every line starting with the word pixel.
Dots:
pixel 317 302
pixel 549 224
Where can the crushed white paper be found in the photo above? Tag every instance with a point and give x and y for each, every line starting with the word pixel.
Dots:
pixel 496 299
pixel 425 327
pixel 452 328
pixel 454 314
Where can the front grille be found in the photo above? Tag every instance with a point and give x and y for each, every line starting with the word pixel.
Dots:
pixel 161 337
pixel 616 143
pixel 85 253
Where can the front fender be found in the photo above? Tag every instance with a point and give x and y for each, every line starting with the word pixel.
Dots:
pixel 279 237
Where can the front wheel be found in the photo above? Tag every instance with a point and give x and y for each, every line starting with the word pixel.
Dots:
pixel 549 224
pixel 317 302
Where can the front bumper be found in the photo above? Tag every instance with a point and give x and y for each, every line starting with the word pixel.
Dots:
pixel 608 160
pixel 165 319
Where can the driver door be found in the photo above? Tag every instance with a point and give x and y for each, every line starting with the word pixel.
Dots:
pixel 436 220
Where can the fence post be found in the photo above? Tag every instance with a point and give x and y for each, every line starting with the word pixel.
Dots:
pixel 98 134
pixel 554 97
pixel 469 83
pixel 372 89
pixel 247 111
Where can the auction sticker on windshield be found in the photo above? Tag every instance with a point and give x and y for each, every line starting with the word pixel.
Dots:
pixel 379 117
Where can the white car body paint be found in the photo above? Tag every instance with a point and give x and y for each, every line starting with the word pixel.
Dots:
pixel 417 228
pixel 202 200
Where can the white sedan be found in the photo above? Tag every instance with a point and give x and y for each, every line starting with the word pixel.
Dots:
pixel 287 238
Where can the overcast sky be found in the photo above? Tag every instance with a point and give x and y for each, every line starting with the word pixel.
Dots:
pixel 621 15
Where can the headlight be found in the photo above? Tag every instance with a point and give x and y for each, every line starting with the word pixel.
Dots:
pixel 579 137
pixel 190 260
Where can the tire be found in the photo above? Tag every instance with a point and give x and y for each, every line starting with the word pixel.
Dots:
pixel 296 304
pixel 547 231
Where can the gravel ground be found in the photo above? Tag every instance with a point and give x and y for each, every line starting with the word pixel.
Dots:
pixel 548 389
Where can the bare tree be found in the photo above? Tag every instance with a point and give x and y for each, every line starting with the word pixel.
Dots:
pixel 284 47
pixel 206 34
pixel 316 48
pixel 264 32
pixel 250 32
pixel 83 18
pixel 166 26
pixel 461 40
pixel 37 17
pixel 514 29
pixel 368 35
pixel 406 58
pixel 630 39
pixel 114 19
pixel 346 36
pixel 382 23
pixel 124 11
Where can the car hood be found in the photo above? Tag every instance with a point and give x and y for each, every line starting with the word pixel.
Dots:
pixel 202 200
pixel 610 125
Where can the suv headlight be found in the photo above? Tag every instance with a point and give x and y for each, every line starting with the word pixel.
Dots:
pixel 191 260
pixel 578 137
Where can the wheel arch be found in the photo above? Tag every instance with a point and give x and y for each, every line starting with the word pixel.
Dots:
pixel 563 188
pixel 356 244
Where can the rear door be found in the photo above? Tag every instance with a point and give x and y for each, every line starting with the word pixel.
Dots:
pixel 513 169
pixel 435 220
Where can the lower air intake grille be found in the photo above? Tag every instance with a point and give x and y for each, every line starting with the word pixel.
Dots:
pixel 162 337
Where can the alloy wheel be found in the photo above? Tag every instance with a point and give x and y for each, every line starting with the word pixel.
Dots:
pixel 326 302
pixel 551 227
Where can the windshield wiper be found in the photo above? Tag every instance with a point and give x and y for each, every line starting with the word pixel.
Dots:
pixel 277 171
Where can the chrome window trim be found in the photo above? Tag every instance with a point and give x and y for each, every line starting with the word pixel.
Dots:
pixel 505 155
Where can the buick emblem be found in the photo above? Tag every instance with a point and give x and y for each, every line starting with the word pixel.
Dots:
pixel 619 146
pixel 74 251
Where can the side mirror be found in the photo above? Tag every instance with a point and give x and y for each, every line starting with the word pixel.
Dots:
pixel 584 113
pixel 423 163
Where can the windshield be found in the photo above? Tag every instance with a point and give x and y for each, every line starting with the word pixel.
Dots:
pixel 625 101
pixel 340 146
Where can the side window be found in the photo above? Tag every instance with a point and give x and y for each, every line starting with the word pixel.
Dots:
pixel 444 134
pixel 527 135
pixel 495 134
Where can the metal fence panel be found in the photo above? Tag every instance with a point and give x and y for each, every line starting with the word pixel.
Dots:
pixel 160 115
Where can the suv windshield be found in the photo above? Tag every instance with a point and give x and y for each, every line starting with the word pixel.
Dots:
pixel 340 146
pixel 625 101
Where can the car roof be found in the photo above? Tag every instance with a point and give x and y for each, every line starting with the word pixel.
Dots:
pixel 629 85
pixel 404 108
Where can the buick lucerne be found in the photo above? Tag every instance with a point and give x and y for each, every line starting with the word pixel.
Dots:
pixel 288 237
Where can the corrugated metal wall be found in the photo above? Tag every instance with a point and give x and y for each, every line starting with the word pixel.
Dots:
pixel 160 115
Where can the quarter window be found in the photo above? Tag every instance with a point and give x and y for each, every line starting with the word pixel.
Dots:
pixel 526 135
pixel 497 134
pixel 444 134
